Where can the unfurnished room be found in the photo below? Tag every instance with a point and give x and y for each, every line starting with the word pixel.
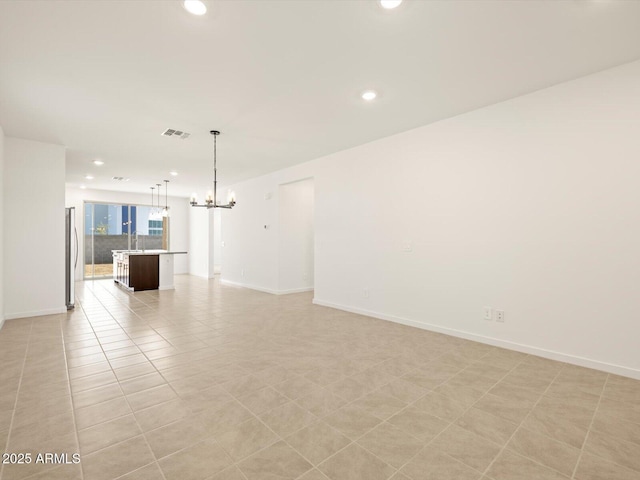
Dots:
pixel 319 240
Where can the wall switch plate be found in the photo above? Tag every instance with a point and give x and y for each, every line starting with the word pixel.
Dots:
pixel 488 313
pixel 242 272
pixel 499 315
pixel 365 293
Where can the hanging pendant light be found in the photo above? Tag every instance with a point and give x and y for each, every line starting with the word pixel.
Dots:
pixel 165 210
pixel 158 207
pixel 211 200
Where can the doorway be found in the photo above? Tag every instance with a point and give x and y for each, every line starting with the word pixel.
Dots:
pixel 296 236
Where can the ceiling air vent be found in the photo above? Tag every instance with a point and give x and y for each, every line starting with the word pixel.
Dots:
pixel 119 179
pixel 170 132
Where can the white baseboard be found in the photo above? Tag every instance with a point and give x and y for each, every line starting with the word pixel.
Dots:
pixel 35 313
pixel 208 277
pixel 540 352
pixel 251 287
pixel 295 290
pixel 266 290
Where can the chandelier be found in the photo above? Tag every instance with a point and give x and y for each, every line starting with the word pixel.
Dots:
pixel 212 198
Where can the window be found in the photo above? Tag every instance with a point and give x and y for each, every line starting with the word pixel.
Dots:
pixel 110 227
pixel 155 227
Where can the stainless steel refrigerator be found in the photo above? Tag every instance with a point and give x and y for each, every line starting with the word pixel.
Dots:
pixel 71 256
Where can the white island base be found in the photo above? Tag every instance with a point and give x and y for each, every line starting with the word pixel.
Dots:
pixel 165 271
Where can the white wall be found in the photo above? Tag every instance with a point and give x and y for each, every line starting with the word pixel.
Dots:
pixel 250 233
pixel 178 223
pixel 34 242
pixel 1 227
pixel 217 240
pixel 295 221
pixel 201 259
pixel 529 206
pixel 211 261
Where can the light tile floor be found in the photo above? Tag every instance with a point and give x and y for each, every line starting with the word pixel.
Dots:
pixel 217 382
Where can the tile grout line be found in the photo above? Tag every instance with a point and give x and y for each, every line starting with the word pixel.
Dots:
pixel 410 404
pixel 281 438
pixel 151 361
pixel 137 346
pixel 520 426
pixel 129 404
pixel 178 396
pixel 125 398
pixel 232 352
pixel 73 409
pixel 66 363
pixel 111 369
pixel 463 412
pixel 432 360
pixel 593 418
pixel 15 403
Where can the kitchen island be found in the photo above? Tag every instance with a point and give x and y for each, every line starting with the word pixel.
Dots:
pixel 138 270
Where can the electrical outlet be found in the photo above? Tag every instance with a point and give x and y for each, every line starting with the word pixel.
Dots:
pixel 407 246
pixel 365 293
pixel 499 315
pixel 242 272
pixel 304 276
pixel 488 313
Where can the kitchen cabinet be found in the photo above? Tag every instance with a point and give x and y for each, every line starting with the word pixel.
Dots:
pixel 138 272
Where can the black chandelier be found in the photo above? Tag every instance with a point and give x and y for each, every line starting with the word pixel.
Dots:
pixel 211 201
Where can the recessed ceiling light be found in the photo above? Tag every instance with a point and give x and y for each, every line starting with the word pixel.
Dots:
pixel 195 6
pixel 369 95
pixel 98 162
pixel 389 4
pixel 89 177
pixel 83 187
pixel 174 173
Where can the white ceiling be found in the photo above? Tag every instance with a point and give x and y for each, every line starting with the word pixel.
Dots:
pixel 280 79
